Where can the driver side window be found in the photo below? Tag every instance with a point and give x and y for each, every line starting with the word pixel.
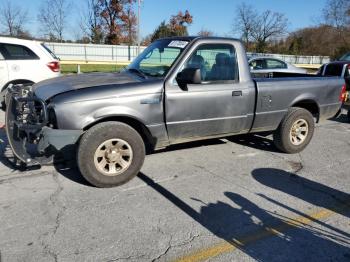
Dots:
pixel 217 62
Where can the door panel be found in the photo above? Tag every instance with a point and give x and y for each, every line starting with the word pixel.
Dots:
pixel 208 110
pixel 219 105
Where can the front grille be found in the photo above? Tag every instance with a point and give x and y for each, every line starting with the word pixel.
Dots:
pixel 29 111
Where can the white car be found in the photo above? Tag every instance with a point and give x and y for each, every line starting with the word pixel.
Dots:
pixel 25 62
pixel 269 64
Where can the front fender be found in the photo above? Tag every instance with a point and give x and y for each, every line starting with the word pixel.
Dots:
pixel 113 111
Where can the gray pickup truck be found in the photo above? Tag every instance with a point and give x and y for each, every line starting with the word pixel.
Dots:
pixel 178 90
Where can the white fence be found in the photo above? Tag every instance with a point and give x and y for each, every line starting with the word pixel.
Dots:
pixel 296 59
pixel 121 53
pixel 92 52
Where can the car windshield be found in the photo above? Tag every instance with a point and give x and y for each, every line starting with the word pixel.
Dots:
pixel 346 57
pixel 157 59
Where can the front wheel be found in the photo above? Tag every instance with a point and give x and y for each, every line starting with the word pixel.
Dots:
pixel 295 131
pixel 110 154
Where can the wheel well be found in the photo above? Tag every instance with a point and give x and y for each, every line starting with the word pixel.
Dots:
pixel 310 106
pixel 144 132
pixel 17 81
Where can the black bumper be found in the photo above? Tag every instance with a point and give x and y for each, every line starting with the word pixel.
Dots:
pixel 27 128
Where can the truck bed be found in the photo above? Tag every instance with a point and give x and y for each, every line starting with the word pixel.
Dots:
pixel 276 95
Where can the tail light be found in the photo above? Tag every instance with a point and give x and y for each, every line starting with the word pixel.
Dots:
pixel 54 66
pixel 342 96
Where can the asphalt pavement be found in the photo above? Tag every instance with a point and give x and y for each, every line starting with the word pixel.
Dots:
pixel 233 199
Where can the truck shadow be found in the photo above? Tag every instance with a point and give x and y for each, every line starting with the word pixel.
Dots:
pixel 255 141
pixel 341 119
pixel 259 233
pixel 304 189
pixel 68 168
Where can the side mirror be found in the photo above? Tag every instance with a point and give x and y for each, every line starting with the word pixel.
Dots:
pixel 189 76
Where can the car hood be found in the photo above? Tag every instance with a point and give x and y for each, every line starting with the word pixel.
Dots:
pixel 52 87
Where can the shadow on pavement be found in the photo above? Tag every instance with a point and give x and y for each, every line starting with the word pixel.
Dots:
pixel 6 155
pixel 243 224
pixel 304 189
pixel 189 145
pixel 343 118
pixel 255 141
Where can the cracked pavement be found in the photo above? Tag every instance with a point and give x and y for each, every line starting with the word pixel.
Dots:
pixel 188 200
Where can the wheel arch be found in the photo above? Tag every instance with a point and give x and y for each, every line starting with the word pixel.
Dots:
pixel 309 105
pixel 140 127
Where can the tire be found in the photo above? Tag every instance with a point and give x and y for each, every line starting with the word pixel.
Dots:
pixel 287 137
pixel 110 154
pixel 348 115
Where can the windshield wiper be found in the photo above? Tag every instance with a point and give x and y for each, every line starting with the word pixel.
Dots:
pixel 137 71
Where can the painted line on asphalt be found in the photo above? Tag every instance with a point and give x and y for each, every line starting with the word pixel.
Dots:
pixel 247 155
pixel 226 247
pixel 158 182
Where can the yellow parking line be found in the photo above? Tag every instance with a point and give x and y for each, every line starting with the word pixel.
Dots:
pixel 226 247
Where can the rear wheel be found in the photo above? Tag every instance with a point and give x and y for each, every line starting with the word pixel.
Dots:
pixel 110 154
pixel 295 131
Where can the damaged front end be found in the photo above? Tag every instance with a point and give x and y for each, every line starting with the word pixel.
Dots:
pixel 30 129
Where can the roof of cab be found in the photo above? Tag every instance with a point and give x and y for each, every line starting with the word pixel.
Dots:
pixel 191 38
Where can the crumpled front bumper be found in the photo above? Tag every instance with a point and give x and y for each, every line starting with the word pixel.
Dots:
pixel 28 130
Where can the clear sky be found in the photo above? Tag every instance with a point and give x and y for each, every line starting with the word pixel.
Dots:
pixel 216 16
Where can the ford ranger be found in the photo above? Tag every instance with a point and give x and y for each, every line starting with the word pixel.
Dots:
pixel 178 90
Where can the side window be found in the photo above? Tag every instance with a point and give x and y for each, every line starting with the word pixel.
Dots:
pixel 1 56
pixel 275 64
pixel 258 64
pixel 17 52
pixel 217 62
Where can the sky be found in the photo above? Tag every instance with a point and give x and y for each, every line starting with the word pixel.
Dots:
pixel 216 16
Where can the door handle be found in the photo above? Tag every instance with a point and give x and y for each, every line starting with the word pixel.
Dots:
pixel 237 93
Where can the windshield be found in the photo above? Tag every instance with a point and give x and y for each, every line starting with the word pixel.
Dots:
pixel 157 59
pixel 346 57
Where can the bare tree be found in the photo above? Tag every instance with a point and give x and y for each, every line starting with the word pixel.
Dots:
pixel 259 28
pixel 12 18
pixel 336 13
pixel 52 16
pixel 91 22
pixel 244 22
pixel 268 25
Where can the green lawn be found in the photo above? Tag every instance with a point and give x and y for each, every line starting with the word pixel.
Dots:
pixel 67 69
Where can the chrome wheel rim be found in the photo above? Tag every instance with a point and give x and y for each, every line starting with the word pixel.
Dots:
pixel 299 132
pixel 113 157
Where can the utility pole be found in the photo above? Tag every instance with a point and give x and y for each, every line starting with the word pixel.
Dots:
pixel 138 26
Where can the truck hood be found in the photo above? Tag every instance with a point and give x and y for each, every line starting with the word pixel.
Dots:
pixel 55 86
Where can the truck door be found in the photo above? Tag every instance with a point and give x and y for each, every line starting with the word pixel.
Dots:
pixel 220 104
pixel 3 72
